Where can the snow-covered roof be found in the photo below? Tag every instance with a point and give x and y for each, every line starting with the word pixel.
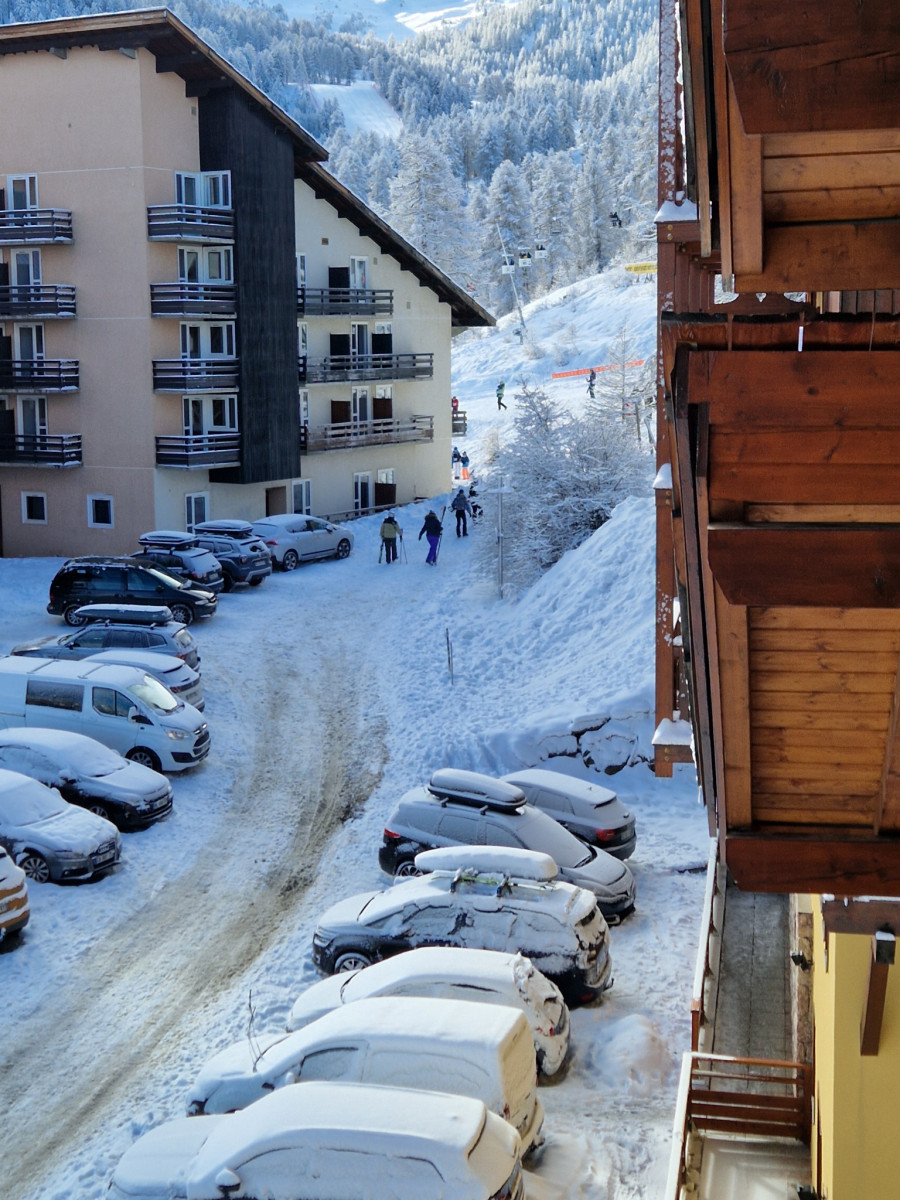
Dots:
pixel 81 753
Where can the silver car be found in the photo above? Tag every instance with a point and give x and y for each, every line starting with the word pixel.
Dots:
pixel 591 812
pixel 117 627
pixel 293 538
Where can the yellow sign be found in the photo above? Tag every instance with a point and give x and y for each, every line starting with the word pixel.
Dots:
pixel 641 268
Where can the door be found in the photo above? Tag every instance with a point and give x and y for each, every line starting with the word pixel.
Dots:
pixel 188 264
pixel 108 722
pixel 359 268
pixel 362 490
pixel 33 420
pixel 359 341
pixel 27 271
pixel 193 416
pixel 22 192
pixel 276 500
pixel 359 405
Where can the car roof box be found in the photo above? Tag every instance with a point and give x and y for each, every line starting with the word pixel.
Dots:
pixel 490 860
pixel 127 614
pixel 470 787
pixel 173 539
pixel 232 527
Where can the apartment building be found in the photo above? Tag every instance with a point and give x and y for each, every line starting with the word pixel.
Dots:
pixel 196 320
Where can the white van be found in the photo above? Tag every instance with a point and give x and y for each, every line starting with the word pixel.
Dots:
pixel 484 1051
pixel 122 707
pixel 329 1141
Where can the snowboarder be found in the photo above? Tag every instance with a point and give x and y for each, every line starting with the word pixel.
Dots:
pixel 501 388
pixel 461 506
pixel 390 532
pixel 464 465
pixel 432 529
pixel 592 379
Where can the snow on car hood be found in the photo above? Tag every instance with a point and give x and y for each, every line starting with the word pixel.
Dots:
pixel 72 828
pixel 156 1164
pixel 319 999
pixel 347 912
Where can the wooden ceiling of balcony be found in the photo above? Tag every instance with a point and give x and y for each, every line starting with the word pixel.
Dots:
pixel 797 134
pixel 787 509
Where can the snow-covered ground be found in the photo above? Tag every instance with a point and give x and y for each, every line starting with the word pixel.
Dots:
pixel 363 106
pixel 329 695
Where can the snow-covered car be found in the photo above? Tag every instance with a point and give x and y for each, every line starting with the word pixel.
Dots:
pixel 591 812
pixel 466 808
pixel 329 1141
pixel 51 839
pixel 453 973
pixel 293 538
pixel 239 551
pixel 88 774
pixel 182 681
pixel 14 907
pixel 398 1041
pixel 117 627
pixel 480 897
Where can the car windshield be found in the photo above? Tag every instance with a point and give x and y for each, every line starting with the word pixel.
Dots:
pixel 540 832
pixel 90 758
pixel 165 577
pixel 152 693
pixel 31 803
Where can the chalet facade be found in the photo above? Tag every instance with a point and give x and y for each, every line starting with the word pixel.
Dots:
pixel 196 320
pixel 779 532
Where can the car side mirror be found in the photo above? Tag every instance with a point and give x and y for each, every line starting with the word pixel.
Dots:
pixel 291 1077
pixel 137 716
pixel 67 777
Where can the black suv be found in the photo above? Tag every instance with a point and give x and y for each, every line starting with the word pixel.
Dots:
pixel 242 554
pixel 123 581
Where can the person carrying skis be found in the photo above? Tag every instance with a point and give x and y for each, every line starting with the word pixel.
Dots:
pixel 432 529
pixel 501 388
pixel 461 506
pixel 592 379
pixel 455 460
pixel 390 532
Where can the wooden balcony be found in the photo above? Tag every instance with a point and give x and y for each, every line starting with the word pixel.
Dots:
pixel 195 374
pixel 329 302
pixel 196 451
pixel 38 375
pixel 460 422
pixel 348 435
pixel 192 299
pixel 189 222
pixel 47 302
pixel 35 226
pixel 353 368
pixel 40 450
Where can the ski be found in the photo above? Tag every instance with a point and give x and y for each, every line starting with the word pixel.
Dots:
pixel 441 536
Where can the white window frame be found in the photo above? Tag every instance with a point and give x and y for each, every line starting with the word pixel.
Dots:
pixel 360 477
pixel 206 184
pixel 360 406
pixel 302 339
pixel 303 489
pixel 26 496
pixel 357 328
pixel 208 422
pixel 384 327
pixel 203 273
pixel 31 188
pixel 384 391
pixel 359 272
pixel 92 524
pixel 37 331
pixel 204 339
pixel 34 266
pixel 301 270
pixel 40 408
pixel 386 475
pixel 191 517
pixel 303 406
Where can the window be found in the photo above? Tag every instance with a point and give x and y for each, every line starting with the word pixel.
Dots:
pixel 301 496
pixel 358 272
pixel 301 270
pixel 34 508
pixel 304 407
pixel 29 343
pixel 207 341
pixel 302 338
pixel 209 414
pixel 22 191
pixel 100 512
pixel 362 489
pixel 386 475
pixel 211 189
pixel 359 405
pixel 26 268
pixel 196 507
pixel 199 264
pixel 44 694
pixel 110 703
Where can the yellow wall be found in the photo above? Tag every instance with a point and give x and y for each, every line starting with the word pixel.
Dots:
pixel 857 1097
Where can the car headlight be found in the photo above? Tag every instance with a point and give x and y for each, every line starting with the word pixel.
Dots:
pixel 71 856
pixel 178 735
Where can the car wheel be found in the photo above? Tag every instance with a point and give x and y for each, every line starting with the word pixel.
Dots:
pixel 182 613
pixel 227 583
pixel 352 960
pixel 343 548
pixel 35 866
pixel 70 615
pixel 99 809
pixel 406 869
pixel 144 757
pixel 291 560
pixel 256 582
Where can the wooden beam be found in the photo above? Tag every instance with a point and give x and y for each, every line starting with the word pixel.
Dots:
pixel 837 68
pixel 827 862
pixel 880 963
pixel 746 194
pixel 887 810
pixel 866 915
pixel 832 256
pixel 799 566
pixel 752 389
pixel 733 678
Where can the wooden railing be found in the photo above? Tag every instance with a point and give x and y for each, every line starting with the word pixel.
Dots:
pixel 199 450
pixel 361 367
pixel 37 300
pixel 172 222
pixel 706 971
pixel 460 422
pixel 195 374
pixel 346 435
pixel 323 302
pixel 21 225
pixel 739 1098
pixel 41 450
pixel 183 299
pixel 39 374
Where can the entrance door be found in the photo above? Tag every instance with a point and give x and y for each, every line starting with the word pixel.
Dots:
pixel 362 491
pixel 359 341
pixel 359 272
pixel 276 500
pixel 359 405
pixel 33 416
pixel 193 415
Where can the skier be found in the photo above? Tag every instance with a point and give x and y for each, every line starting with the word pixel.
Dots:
pixel 464 465
pixel 592 379
pixel 455 460
pixel 501 388
pixel 460 505
pixel 432 529
pixel 390 532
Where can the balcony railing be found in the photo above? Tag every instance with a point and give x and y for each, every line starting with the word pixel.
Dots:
pixel 192 299
pixel 327 302
pixel 39 374
pixel 195 374
pixel 460 422
pixel 47 301
pixel 41 450
pixel 199 450
pixel 21 225
pixel 362 367
pixel 173 222
pixel 346 435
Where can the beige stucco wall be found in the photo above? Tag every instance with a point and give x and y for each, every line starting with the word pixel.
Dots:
pixel 105 135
